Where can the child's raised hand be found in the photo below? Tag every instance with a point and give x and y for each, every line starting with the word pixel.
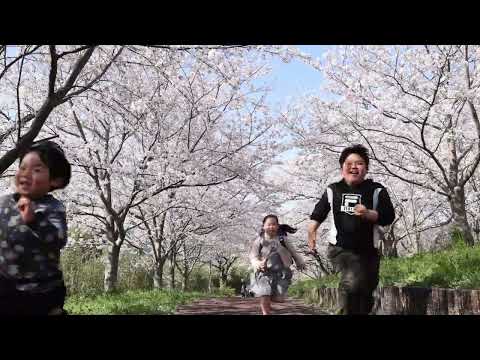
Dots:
pixel 369 215
pixel 263 265
pixel 25 206
pixel 360 210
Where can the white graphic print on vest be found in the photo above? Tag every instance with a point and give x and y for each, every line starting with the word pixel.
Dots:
pixel 349 201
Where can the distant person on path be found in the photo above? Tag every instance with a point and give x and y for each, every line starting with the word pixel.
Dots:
pixel 271 256
pixel 358 206
pixel 33 229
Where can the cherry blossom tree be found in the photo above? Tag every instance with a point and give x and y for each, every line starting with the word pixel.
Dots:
pixel 418 104
pixel 162 120
pixel 414 107
pixel 35 80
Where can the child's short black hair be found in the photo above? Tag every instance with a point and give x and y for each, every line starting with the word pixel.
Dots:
pixel 53 156
pixel 355 149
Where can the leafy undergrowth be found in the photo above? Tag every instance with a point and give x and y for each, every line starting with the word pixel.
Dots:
pixel 457 267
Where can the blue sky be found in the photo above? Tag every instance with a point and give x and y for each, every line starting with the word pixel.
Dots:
pixel 295 78
pixel 291 80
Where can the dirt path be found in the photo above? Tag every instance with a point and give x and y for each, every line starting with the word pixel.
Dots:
pixel 248 306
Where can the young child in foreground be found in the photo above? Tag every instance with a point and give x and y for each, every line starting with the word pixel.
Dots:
pixel 33 229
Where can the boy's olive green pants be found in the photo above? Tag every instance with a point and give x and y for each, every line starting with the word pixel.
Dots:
pixel 359 279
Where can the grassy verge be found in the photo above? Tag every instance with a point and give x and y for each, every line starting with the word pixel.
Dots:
pixel 457 267
pixel 134 302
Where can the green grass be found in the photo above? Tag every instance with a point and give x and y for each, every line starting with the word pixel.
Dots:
pixel 457 267
pixel 135 302
pixel 303 288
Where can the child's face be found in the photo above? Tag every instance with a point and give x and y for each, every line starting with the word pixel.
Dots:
pixel 33 177
pixel 354 169
pixel 270 226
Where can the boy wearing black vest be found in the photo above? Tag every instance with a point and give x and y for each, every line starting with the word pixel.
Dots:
pixel 358 207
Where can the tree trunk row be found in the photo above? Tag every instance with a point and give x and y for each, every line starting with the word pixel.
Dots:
pixel 411 301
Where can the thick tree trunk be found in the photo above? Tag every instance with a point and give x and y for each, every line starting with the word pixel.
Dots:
pixel 111 268
pixel 185 282
pixel 460 222
pixel 185 268
pixel 172 270
pixel 161 258
pixel 210 276
pixel 158 275
pixel 457 197
pixel 223 280
pixel 476 229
